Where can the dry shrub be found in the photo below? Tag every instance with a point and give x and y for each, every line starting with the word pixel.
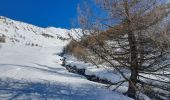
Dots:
pixel 79 48
pixel 76 49
pixel 147 89
pixel 2 39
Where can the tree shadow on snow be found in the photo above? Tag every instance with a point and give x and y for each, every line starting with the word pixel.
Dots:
pixel 46 69
pixel 11 89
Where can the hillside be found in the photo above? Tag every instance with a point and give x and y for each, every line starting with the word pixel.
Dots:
pixel 21 33
pixel 30 67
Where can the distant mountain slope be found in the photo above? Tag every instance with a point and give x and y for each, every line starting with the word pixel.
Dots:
pixel 26 34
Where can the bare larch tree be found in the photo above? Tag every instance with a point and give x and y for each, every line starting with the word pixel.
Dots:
pixel 130 34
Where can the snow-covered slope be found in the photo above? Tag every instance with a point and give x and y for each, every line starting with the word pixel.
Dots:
pixel 35 73
pixel 30 67
pixel 22 33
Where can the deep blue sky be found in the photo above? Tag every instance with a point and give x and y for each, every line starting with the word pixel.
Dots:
pixel 44 13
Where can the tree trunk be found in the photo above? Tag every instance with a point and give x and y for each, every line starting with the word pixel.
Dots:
pixel 134 65
pixel 132 84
